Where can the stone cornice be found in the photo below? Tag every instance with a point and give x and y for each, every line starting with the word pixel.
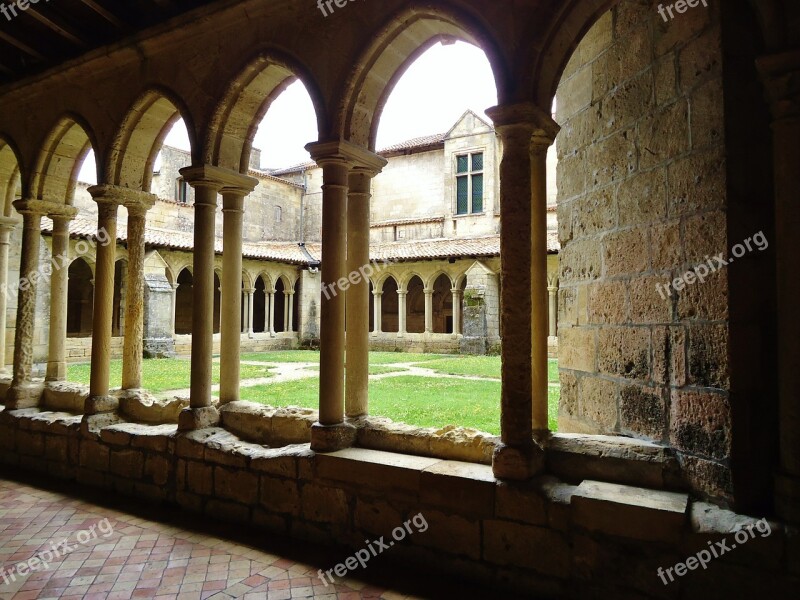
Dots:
pixel 223 180
pixel 46 208
pixel 525 114
pixel 357 157
pixel 130 198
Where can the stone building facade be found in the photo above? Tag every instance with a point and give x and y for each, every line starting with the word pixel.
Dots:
pixel 679 139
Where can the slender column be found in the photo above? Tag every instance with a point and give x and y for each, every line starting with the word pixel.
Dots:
pixel 231 318
pixel 57 349
pixel 378 309
pixel 524 282
pixel 539 302
pixel 7 225
pixel 781 74
pixel 23 392
pixel 401 313
pixel 359 269
pixel 174 304
pixel 553 310
pixel 134 294
pixel 428 311
pixel 290 312
pixel 456 311
pixel 270 297
pixel 249 311
pixel 108 203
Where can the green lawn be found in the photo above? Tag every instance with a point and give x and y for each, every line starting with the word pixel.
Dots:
pixel 421 401
pixel 373 369
pixel 482 366
pixel 311 356
pixel 160 375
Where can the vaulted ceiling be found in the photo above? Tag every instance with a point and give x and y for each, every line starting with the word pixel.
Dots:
pixel 50 32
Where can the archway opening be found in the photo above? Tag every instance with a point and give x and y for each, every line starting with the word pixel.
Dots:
pixel 415 306
pixel 390 321
pixel 184 301
pixel 260 307
pixel 443 305
pixel 80 298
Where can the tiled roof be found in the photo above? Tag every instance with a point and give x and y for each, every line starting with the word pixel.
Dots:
pixel 414 143
pixel 410 221
pixel 291 252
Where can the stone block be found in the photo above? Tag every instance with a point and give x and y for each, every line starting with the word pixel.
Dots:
pixel 705 301
pixel 229 512
pixel 127 463
pixel 523 502
pixel 269 522
pixel 200 478
pixel 608 303
pixel 697 183
pixel 190 502
pixel 375 516
pixel 157 469
pixel 450 534
pixel 666 247
pixel 56 448
pixel 578 349
pixel 642 198
pixel 29 443
pixel 626 252
pixel 192 445
pixel 700 60
pixel 643 411
pixel 537 548
pixel 324 504
pixel 94 456
pixel 581 260
pixel 624 352
pixel 700 423
pixel 115 437
pixel 665 136
pixel 150 492
pixel 461 487
pixel 630 512
pixel 280 496
pixel 707 358
pixel 594 213
pixel 598 400
pixel 647 304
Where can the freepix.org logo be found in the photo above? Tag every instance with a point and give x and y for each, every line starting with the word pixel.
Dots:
pixel 10 11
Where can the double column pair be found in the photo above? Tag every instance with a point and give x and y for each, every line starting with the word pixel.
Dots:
pixel 24 393
pixel 348 171
pixel 526 132
pixel 209 182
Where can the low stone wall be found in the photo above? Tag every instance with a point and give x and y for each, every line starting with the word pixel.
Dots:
pixel 560 535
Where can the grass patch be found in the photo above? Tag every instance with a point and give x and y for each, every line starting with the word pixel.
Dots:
pixel 420 401
pixel 161 375
pixel 481 366
pixel 373 369
pixel 312 356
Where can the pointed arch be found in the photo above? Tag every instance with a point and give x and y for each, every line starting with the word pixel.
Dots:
pixel 11 174
pixel 405 37
pixel 141 135
pixel 60 159
pixel 245 103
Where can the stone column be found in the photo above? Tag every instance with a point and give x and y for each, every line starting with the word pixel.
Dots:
pixel 553 310
pixel 270 297
pixel 59 280
pixel 249 311
pixel 401 313
pixel 174 305
pixel 207 182
pixel 525 130
pixel 781 75
pixel 7 225
pixel 336 160
pixel 456 311
pixel 289 303
pixel 133 344
pixel 359 269
pixel 108 200
pixel 231 317
pixel 378 310
pixel 23 392
pixel 428 311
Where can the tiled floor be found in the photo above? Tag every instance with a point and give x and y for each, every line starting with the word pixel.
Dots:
pixel 126 556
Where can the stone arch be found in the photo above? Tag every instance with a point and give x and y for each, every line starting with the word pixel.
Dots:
pixel 431 281
pixel 390 314
pixel 141 136
pixel 11 174
pixel 245 103
pixel 60 159
pixel 406 36
pixel 184 302
pixel 415 305
pixel 80 294
pixel 262 285
pixel 281 306
pixel 442 316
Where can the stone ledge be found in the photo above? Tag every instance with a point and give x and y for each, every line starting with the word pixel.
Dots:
pixel 262 424
pixel 576 457
pixel 630 512
pixel 64 396
pixel 459 487
pixel 142 406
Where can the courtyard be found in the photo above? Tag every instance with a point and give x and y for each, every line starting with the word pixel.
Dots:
pixel 424 390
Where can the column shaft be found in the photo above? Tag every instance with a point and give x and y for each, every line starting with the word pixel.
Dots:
pixel 357 374
pixel 428 311
pixel 270 296
pixel 134 301
pixel 378 309
pixel 402 313
pixel 6 227
pixel 103 299
pixel 203 293
pixel 456 311
pixel 539 303
pixel 59 281
pixel 553 311
pixel 231 324
pixel 332 310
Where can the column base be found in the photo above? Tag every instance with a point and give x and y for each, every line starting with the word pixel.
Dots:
pixel 24 395
pixel 517 464
pixel 192 419
pixel 787 498
pixel 330 438
pixel 99 405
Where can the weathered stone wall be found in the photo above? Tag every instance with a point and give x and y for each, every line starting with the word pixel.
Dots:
pixel 641 200
pixel 550 537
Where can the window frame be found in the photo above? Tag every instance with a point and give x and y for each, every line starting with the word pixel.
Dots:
pixel 469 176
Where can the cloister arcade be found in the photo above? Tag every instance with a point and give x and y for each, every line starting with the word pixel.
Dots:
pixel 695 394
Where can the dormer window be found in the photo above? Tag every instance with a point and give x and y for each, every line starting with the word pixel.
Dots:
pixel 469 183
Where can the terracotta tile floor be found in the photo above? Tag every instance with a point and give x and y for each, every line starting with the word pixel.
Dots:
pixel 162 556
